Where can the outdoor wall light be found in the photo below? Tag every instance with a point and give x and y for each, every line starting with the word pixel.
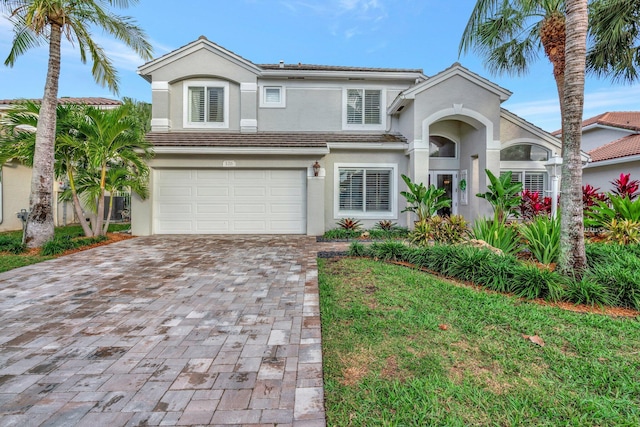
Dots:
pixel 316 168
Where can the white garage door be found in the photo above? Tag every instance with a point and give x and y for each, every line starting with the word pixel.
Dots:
pixel 225 201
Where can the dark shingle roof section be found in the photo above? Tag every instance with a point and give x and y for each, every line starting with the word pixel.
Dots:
pixel 312 67
pixel 623 147
pixel 97 101
pixel 264 139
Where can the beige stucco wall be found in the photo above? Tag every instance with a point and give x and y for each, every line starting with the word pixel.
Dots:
pixel 601 176
pixel 363 158
pixel 16 187
pixel 598 137
pixel 16 183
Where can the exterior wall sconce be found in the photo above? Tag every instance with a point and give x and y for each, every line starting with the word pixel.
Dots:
pixel 316 168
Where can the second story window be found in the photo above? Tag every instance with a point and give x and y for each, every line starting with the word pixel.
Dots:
pixel 272 97
pixel 364 107
pixel 206 104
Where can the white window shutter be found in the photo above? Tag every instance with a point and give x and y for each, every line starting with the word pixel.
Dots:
pixel 351 189
pixel 372 107
pixel 272 95
pixel 196 104
pixel 354 106
pixel 378 190
pixel 216 104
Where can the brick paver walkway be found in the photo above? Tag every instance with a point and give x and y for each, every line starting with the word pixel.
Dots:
pixel 170 330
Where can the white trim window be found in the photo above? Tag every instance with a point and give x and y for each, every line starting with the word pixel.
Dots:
pixel 531 180
pixel 206 104
pixel 364 108
pixel 273 97
pixel 365 191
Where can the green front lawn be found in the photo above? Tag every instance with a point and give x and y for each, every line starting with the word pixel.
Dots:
pixel 402 347
pixel 9 261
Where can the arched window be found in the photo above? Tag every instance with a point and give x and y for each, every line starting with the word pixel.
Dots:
pixel 524 153
pixel 440 146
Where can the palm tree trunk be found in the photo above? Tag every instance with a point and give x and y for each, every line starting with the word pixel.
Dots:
pixel 572 252
pixel 39 226
pixel 76 205
pixel 106 223
pixel 553 39
pixel 100 210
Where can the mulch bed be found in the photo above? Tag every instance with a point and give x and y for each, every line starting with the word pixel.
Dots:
pixel 111 238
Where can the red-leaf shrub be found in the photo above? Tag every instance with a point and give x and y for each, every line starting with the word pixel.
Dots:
pixel 533 205
pixel 625 186
pixel 591 195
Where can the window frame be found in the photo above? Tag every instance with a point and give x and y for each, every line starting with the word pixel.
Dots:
pixel 455 147
pixel 383 108
pixel 187 84
pixel 263 97
pixel 522 173
pixel 364 214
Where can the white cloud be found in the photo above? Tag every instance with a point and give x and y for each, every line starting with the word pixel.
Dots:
pixel 341 15
pixel 546 112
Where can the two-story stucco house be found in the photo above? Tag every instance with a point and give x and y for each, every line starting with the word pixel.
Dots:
pixel 236 143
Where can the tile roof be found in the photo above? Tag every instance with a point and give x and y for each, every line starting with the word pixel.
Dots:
pixel 264 139
pixel 623 147
pixel 312 67
pixel 619 119
pixel 67 100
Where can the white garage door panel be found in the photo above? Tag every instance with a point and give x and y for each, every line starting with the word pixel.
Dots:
pixel 221 201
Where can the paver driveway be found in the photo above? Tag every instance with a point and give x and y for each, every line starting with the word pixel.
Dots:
pixel 169 330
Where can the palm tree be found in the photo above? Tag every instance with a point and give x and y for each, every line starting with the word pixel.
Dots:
pixel 41 21
pixel 572 260
pixel 112 140
pixel 614 35
pixel 509 34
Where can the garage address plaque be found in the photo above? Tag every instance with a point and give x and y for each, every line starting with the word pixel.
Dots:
pixel 228 163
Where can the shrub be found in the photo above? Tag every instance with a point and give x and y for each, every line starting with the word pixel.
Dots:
pixel 617 268
pixel 623 232
pixel 385 225
pixel 350 224
pixel 532 282
pixel 542 238
pixel 388 251
pixel 341 233
pixel 591 195
pixel 601 214
pixel 624 186
pixel 503 195
pixel 532 205
pixel 502 236
pixel 588 291
pixel 423 201
pixel 358 249
pixel 11 244
pixel 60 244
pixel 450 230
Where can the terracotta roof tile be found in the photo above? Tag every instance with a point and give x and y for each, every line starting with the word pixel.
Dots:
pixel 623 147
pixel 67 100
pixel 264 139
pixel 619 119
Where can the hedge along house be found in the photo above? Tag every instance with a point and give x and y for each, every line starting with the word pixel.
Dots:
pixel 15 178
pixel 236 143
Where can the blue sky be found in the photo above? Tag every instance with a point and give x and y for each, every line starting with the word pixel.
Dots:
pixel 371 33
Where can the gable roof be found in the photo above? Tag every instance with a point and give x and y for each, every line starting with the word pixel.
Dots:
pixel 278 70
pixel 623 147
pixel 96 101
pixel 629 120
pixel 456 69
pixel 201 42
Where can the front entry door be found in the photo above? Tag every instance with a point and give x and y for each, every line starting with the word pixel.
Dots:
pixel 449 181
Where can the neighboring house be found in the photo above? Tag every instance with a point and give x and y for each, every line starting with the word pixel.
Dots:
pixel 612 140
pixel 15 178
pixel 235 143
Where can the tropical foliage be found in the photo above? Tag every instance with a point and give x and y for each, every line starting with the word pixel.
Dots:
pixel 97 151
pixel 37 22
pixel 542 238
pixel 503 195
pixel 424 202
